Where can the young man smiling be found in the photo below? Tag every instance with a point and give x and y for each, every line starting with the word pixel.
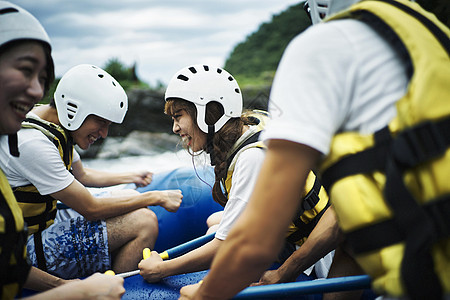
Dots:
pixel 108 232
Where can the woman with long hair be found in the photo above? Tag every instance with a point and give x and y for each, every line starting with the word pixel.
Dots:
pixel 206 104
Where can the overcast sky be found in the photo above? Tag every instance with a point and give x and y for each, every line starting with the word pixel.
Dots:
pixel 160 36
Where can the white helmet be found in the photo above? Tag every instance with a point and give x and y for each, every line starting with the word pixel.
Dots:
pixel 320 9
pixel 201 84
pixel 88 90
pixel 17 24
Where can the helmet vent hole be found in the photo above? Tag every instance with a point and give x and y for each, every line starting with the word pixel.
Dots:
pixel 113 83
pixel 237 91
pixel 70 117
pixel 62 96
pixel 193 70
pixel 219 70
pixel 230 78
pixel 72 105
pixel 121 104
pixel 8 10
pixel 100 75
pixel 182 77
pixel 206 68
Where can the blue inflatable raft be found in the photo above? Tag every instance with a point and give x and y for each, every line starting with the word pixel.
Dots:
pixel 176 230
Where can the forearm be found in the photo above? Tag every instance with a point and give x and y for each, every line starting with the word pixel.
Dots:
pixel 104 208
pixel 80 199
pixel 96 178
pixel 39 280
pixel 196 260
pixel 324 238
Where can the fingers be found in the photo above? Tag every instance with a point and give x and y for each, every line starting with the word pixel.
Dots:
pixel 173 200
pixel 143 178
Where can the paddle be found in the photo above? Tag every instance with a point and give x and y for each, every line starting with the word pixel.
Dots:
pixel 171 253
pixel 317 286
pixel 186 247
pixel 145 254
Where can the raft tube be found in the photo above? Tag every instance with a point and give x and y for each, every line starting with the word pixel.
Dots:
pixel 189 221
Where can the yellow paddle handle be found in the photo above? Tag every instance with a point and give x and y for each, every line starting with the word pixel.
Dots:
pixel 146 253
pixel 164 255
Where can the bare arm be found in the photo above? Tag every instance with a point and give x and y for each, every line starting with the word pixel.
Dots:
pixel 95 178
pixel 39 280
pixel 257 237
pixel 78 197
pixel 97 286
pixel 324 238
pixel 154 268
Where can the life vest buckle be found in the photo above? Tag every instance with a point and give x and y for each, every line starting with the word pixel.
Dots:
pixel 418 144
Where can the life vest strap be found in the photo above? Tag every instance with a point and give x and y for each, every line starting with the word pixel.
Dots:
pixel 303 229
pixel 388 232
pixel 435 30
pixel 39 249
pixel 411 147
pixel 65 142
pixel 311 199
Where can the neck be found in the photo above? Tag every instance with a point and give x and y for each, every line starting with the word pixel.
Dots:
pixel 47 113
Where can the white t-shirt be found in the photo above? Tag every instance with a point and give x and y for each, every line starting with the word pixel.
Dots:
pixel 336 76
pixel 39 163
pixel 244 177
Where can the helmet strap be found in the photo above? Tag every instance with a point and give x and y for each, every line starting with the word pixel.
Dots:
pixel 13 147
pixel 209 144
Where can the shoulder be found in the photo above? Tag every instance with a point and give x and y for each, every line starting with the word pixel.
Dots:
pixel 33 139
pixel 250 159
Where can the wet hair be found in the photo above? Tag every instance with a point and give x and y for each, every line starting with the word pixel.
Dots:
pixel 223 140
pixel 50 68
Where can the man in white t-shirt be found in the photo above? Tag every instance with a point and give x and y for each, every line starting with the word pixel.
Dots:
pixel 337 76
pixel 109 232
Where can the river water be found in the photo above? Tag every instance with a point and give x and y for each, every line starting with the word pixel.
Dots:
pixel 157 163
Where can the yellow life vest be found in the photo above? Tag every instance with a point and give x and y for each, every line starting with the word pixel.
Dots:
pixel 14 267
pixel 315 198
pixel 39 211
pixel 390 190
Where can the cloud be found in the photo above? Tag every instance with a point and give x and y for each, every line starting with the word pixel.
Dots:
pixel 160 36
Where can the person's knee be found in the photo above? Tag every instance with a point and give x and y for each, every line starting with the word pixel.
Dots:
pixel 145 218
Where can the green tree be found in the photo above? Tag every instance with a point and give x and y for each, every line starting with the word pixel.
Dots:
pixel 256 59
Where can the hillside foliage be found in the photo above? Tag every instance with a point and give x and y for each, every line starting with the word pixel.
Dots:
pixel 255 60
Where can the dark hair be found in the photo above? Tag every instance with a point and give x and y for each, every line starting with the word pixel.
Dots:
pixel 223 140
pixel 50 68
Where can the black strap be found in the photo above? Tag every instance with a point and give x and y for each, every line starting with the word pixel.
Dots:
pixel 210 144
pixel 388 232
pixel 414 145
pixel 417 266
pixel 251 139
pixel 410 148
pixel 46 215
pixel 435 30
pixel 310 200
pixel 39 249
pixel 13 147
pixel 12 243
pixel 303 229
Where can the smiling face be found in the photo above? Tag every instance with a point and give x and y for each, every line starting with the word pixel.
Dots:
pixel 190 133
pixel 91 130
pixel 23 76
